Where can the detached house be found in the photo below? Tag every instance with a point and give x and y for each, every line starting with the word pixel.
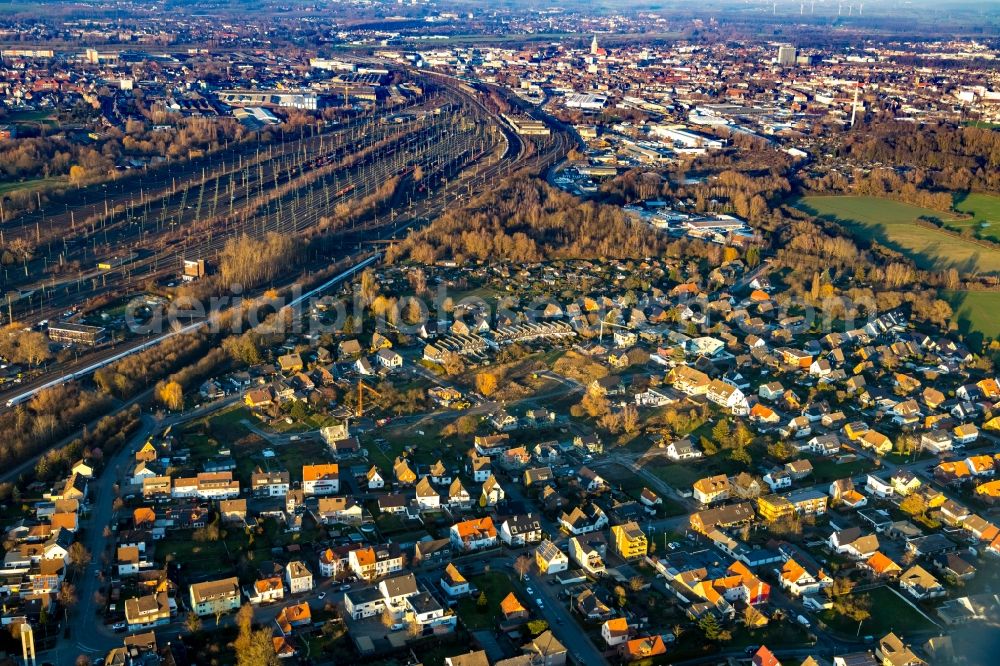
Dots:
pixel 321 479
pixel 853 543
pixel 521 530
pixel 581 521
pixel 454 583
pixel 427 497
pixel 588 552
pixel 458 496
pixel 728 397
pixel 799 581
pixel 550 559
pixel 615 631
pixel 590 480
pixel 712 489
pixel 920 583
pixel 682 449
pixel 492 493
pixel 629 541
pixel 475 534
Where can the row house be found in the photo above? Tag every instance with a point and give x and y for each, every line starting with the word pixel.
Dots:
pixel 207 485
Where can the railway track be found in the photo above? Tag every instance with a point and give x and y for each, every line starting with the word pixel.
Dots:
pixel 517 155
pixel 46 298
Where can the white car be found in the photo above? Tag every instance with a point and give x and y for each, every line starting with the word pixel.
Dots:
pixel 322 595
pixel 539 603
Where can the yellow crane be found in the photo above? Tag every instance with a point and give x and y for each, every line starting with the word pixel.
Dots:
pixel 362 387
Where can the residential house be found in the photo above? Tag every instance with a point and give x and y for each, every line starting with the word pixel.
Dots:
pixel 521 530
pixel 269 484
pixel 474 534
pixel 454 583
pixel 581 521
pixel 881 566
pixel 590 480
pixel 853 543
pixel 215 596
pixel 374 479
pixel 427 497
pixel 936 441
pixel 492 493
pixel 512 609
pixel 266 590
pixel 683 449
pixel 321 479
pixel 363 602
pixel 799 580
pixel 332 510
pixel 615 631
pixel 545 650
pixel 721 517
pixel 629 541
pixel 369 563
pixel 641 649
pixel 920 583
pixel 892 652
pixel 550 559
pixel 588 552
pixel 145 612
pixel 405 476
pixel 458 496
pixel 298 577
pixel 712 489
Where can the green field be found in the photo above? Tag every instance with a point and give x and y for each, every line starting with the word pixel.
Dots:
pixel 893 225
pixel 976 310
pixel 985 212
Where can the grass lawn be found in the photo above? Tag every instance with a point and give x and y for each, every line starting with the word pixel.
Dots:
pixel 34 116
pixel 199 557
pixel 227 427
pixel 630 483
pixel 893 224
pixel 677 475
pixel 828 469
pixel 976 311
pixel 888 613
pixel 496 586
pixel 31 185
pixel 785 634
pixel 425 449
pixel 433 651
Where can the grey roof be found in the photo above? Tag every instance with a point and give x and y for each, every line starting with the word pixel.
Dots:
pixel 400 586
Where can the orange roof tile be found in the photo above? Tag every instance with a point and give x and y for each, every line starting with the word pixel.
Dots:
pixel 511 605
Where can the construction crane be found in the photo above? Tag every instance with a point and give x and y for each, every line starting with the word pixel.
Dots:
pixel 608 323
pixel 362 387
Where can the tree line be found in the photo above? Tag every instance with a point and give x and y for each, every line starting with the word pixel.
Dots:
pixel 525 220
